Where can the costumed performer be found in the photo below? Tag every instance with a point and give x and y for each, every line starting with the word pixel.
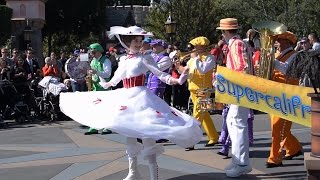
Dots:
pixel 134 111
pixel 201 66
pixel 281 134
pixel 100 69
pixel 237 118
pixel 161 57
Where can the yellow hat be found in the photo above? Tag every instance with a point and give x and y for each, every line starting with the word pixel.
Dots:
pixel 200 41
pixel 287 35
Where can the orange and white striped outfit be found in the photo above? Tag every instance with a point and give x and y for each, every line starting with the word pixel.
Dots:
pixel 236 55
pixel 237 118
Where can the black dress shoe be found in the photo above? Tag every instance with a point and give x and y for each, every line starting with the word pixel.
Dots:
pixel 272 165
pixel 89 133
pixel 210 145
pixel 190 148
pixel 162 141
pixel 292 156
pixel 222 154
pixel 106 131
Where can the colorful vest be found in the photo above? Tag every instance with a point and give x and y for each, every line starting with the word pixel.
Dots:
pixel 196 80
pixel 279 76
pixel 153 81
pixel 97 64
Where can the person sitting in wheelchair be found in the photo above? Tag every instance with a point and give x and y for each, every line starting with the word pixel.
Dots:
pixel 51 81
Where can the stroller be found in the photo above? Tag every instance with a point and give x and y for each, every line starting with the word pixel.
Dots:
pixel 13 105
pixel 47 98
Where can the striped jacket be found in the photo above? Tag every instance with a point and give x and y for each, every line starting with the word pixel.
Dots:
pixel 237 55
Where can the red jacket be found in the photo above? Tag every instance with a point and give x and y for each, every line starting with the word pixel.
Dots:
pixel 50 71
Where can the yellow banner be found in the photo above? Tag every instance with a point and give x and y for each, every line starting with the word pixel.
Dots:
pixel 283 100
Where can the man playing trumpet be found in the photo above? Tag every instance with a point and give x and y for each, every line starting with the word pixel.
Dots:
pixel 201 65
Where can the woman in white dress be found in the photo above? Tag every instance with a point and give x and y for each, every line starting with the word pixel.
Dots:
pixel 134 111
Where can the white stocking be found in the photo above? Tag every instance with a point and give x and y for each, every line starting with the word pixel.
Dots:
pixel 150 144
pixel 133 150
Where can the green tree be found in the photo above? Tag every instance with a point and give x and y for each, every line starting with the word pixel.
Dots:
pixel 72 21
pixel 130 2
pixel 195 18
pixel 5 19
pixel 190 21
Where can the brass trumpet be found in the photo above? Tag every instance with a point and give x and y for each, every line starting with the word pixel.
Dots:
pixel 183 56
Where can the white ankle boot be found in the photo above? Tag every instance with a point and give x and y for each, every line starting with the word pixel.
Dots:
pixel 133 170
pixel 153 167
pixel 153 170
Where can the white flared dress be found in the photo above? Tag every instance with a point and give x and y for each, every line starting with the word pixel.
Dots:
pixel 132 111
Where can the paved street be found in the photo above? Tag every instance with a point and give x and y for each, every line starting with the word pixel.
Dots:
pixel 60 151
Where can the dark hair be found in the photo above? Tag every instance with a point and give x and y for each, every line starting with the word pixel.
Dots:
pixel 127 39
pixel 314 35
pixel 251 43
pixel 190 47
pixel 177 43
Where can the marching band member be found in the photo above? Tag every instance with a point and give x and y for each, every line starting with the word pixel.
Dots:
pixel 161 57
pixel 201 67
pixel 237 118
pixel 100 67
pixel 134 111
pixel 224 137
pixel 281 134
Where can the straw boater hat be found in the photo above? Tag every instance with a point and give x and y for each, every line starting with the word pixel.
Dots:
pixel 116 31
pixel 287 35
pixel 228 24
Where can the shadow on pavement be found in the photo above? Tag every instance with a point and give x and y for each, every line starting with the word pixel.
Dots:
pixel 11 124
pixel 285 175
pixel 210 176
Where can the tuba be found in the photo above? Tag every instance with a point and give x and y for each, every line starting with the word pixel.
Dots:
pixel 267 30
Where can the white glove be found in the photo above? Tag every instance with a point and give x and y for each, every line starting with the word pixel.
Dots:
pixel 105 85
pixel 183 77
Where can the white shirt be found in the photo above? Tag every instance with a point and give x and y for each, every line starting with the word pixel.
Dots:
pixel 106 66
pixel 164 63
pixel 316 46
pixel 283 66
pixel 206 65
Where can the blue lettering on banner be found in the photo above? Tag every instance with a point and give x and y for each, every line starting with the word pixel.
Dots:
pixel 285 105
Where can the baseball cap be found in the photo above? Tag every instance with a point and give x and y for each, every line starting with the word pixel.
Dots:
pixel 76 52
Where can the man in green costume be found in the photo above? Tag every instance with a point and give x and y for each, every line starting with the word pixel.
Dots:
pixel 100 68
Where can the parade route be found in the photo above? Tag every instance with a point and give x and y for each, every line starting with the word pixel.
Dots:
pixel 60 151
